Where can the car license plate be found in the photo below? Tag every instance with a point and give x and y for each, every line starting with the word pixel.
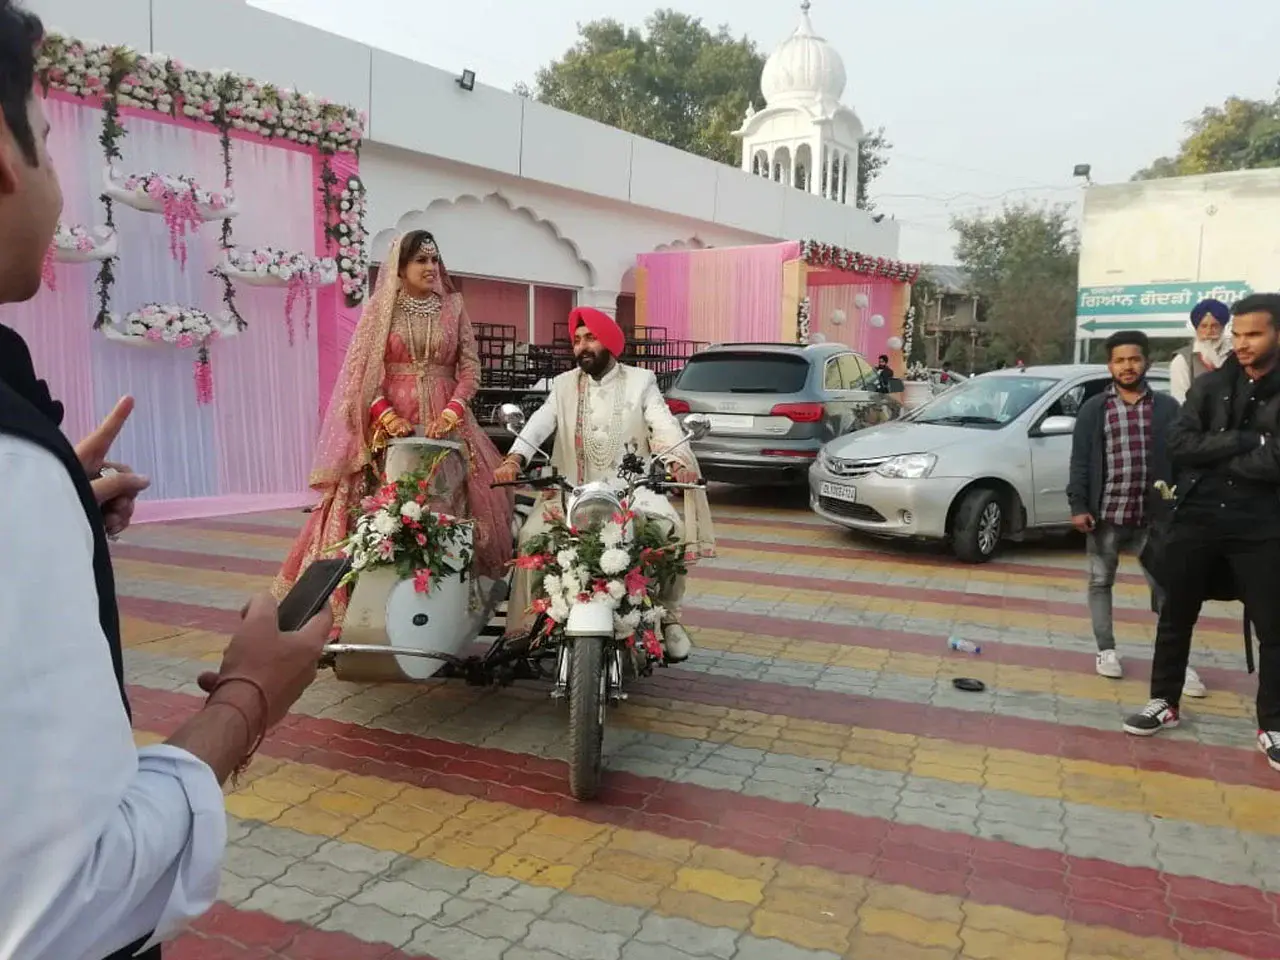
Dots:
pixel 730 422
pixel 839 491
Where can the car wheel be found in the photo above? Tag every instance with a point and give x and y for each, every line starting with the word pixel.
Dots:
pixel 977 526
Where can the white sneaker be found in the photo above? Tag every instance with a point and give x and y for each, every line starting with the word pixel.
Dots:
pixel 1193 686
pixel 1109 664
pixel 676 643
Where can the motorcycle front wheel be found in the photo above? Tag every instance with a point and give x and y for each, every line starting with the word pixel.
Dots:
pixel 588 697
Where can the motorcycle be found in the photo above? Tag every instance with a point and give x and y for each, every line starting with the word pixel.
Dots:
pixel 395 631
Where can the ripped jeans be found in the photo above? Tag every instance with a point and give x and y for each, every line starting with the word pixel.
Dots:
pixel 1104 546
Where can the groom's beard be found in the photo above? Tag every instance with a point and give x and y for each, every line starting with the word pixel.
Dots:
pixel 593 364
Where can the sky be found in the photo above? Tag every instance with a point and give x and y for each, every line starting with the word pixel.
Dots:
pixel 985 101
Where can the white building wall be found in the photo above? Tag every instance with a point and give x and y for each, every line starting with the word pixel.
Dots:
pixel 513 188
pixel 1223 226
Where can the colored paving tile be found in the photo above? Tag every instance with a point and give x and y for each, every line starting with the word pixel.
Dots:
pixel 808 785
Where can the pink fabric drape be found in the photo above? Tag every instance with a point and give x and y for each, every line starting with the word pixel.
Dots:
pixel 825 300
pixel 551 305
pixel 722 294
pixel 496 301
pixel 249 449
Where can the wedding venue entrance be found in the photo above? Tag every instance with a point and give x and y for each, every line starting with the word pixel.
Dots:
pixel 798 291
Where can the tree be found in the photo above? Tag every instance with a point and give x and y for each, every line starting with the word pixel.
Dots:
pixel 1023 265
pixel 674 81
pixel 1239 135
pixel 873 157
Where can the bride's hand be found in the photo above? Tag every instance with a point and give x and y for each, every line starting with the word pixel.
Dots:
pixel 439 427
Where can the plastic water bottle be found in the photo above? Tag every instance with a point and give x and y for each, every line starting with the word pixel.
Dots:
pixel 961 645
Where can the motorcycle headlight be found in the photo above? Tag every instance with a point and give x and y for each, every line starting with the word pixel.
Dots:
pixel 592 506
pixel 909 466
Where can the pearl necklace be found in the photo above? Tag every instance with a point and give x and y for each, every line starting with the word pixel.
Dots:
pixel 603 453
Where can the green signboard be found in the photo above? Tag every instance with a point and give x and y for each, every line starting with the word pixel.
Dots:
pixel 1154 307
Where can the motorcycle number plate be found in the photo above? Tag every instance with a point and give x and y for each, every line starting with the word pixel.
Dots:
pixel 839 491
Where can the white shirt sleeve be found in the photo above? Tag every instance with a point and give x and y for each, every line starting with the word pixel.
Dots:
pixel 664 428
pixel 101 842
pixel 540 426
pixel 1179 378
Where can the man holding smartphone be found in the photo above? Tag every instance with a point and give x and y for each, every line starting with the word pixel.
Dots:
pixel 106 848
pixel 1118 454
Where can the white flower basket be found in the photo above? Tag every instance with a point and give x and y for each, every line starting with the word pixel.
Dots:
pixel 117 331
pixel 316 271
pixel 113 187
pixel 69 248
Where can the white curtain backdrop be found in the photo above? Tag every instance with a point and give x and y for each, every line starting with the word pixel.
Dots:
pixel 256 439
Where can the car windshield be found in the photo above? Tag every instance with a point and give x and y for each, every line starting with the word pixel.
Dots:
pixel 990 401
pixel 744 373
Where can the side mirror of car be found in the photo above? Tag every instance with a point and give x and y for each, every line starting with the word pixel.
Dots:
pixel 1057 426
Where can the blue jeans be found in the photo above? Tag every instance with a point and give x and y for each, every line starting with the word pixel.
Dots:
pixel 1104 545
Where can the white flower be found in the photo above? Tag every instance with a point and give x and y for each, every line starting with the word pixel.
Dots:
pixel 612 534
pixel 551 584
pixel 559 610
pixel 617 589
pixel 654 614
pixel 567 558
pixel 385 523
pixel 411 511
pixel 613 561
pixel 570 585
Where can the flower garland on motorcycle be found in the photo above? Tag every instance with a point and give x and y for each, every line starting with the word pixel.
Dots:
pixel 623 562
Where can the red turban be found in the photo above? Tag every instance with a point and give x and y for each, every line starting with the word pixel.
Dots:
pixel 602 326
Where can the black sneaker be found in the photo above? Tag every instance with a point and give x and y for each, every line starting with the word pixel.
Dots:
pixel 1269 744
pixel 1155 716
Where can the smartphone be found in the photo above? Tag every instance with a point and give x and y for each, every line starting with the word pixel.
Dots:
pixel 311 592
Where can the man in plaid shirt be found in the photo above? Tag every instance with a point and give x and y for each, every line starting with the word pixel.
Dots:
pixel 1118 453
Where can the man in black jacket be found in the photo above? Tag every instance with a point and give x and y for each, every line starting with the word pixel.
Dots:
pixel 1118 454
pixel 1223 446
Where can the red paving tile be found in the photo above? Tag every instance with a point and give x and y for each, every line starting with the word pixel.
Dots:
pixel 1138 900
pixel 225 933
pixel 195 560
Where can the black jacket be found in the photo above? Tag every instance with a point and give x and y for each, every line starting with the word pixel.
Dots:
pixel 1219 431
pixel 28 411
pixel 1089 457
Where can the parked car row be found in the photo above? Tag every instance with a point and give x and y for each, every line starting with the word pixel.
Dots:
pixel 984 460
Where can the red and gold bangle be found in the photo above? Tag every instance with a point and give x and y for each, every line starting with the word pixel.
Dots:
pixel 454 408
pixel 379 408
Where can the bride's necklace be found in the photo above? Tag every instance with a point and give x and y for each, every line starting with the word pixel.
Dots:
pixel 427 311
pixel 601 447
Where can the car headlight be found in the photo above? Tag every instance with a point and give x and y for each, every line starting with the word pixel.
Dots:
pixel 909 466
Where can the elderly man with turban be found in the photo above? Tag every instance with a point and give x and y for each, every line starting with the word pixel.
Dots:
pixel 596 411
pixel 1206 352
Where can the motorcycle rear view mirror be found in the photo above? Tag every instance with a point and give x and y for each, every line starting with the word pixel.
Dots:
pixel 511 416
pixel 697 425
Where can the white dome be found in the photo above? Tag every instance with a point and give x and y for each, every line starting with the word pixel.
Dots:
pixel 805 68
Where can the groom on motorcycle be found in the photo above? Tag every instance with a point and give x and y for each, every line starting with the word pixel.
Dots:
pixel 598 411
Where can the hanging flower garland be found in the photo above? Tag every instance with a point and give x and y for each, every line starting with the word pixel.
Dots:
pixel 909 331
pixel 184 204
pixel 817 254
pixel 802 321
pixel 346 209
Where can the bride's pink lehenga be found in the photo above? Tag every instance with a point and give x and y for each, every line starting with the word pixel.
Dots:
pixel 421 356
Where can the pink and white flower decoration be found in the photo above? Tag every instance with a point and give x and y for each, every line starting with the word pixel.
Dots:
pixel 350 235
pixel 267 266
pixel 185 328
pixel 183 202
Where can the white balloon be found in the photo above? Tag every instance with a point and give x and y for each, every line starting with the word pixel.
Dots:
pixel 838 317
pixel 817 338
pixel 895 343
pixel 860 300
pixel 877 321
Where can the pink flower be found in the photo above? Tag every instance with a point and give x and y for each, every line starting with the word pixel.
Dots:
pixel 155 188
pixel 651 644
pixel 636 582
pixel 421 538
pixel 186 341
pixel 386 550
pixel 533 561
pixel 541 605
pixel 422 581
pixel 154 335
pixel 370 504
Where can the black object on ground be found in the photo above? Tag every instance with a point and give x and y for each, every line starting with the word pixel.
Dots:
pixel 968 684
